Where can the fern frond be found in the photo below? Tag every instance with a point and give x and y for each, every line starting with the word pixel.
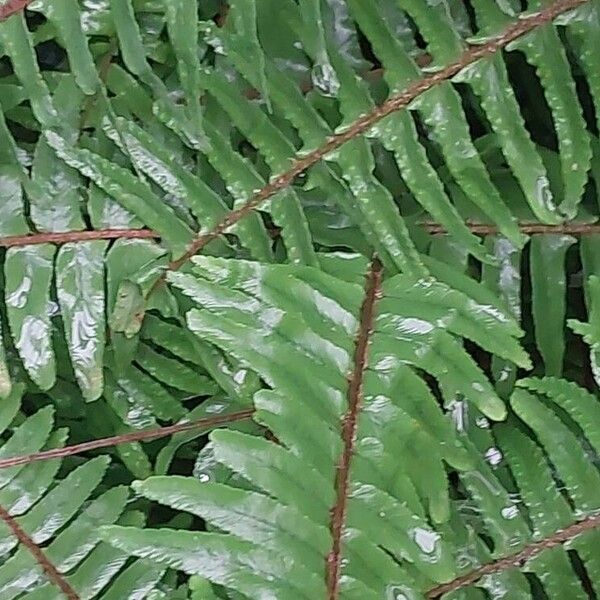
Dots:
pixel 40 505
pixel 298 132
pixel 294 326
pixel 361 195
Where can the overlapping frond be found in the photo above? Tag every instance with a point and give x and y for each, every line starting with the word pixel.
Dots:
pixel 326 508
pixel 60 507
pixel 304 132
pixel 152 160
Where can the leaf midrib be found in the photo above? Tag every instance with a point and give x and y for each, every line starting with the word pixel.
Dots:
pixel 350 425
